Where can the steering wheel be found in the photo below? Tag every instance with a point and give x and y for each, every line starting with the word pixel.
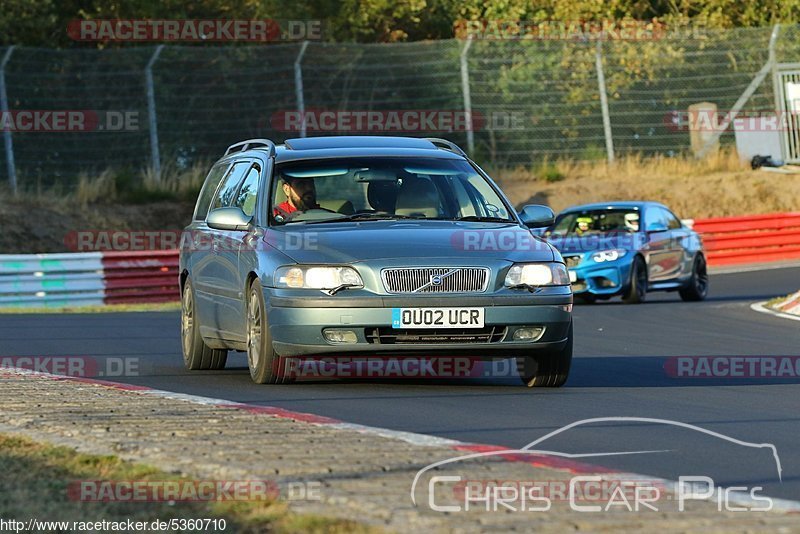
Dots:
pixel 317 214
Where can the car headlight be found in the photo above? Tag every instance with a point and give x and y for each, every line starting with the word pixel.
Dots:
pixel 314 277
pixel 537 274
pixel 609 255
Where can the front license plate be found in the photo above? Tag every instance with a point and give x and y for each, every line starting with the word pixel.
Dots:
pixel 573 277
pixel 437 317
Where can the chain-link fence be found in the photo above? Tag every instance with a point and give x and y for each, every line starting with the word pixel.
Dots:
pixel 529 100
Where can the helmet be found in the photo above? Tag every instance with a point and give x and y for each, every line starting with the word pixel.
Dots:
pixel 581 221
pixel 632 222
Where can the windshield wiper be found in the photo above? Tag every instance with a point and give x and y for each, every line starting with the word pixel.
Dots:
pixel 336 289
pixel 529 287
pixel 479 218
pixel 365 217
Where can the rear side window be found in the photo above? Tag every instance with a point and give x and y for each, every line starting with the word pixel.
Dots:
pixel 209 188
pixel 227 190
pixel 672 222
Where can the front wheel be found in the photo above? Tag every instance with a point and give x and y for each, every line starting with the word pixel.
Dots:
pixel 637 287
pixel 697 287
pixel 261 358
pixel 196 354
pixel 547 369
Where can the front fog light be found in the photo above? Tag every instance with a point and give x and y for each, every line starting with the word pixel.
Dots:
pixel 528 333
pixel 339 336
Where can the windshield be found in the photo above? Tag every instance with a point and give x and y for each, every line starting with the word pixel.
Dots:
pixel 599 221
pixel 360 189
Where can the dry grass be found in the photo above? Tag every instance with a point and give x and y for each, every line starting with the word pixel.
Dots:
pixel 718 186
pixel 111 186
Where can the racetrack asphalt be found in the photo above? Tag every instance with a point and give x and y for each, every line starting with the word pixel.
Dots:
pixel 623 354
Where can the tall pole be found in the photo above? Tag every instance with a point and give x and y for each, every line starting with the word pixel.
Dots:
pixel 601 86
pixel 155 156
pixel 7 141
pixel 467 96
pixel 298 87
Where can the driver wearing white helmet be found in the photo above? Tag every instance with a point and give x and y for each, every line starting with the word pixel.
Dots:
pixel 632 222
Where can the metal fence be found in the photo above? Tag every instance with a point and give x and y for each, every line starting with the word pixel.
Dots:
pixel 528 99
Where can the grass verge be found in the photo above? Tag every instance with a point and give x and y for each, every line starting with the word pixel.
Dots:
pixel 36 479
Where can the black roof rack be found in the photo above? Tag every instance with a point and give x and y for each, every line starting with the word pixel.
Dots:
pixel 447 145
pixel 252 143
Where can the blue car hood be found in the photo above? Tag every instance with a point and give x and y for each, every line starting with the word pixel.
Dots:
pixel 363 241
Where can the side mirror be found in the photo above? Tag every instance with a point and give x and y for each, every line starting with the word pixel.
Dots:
pixel 537 216
pixel 228 219
pixel 656 227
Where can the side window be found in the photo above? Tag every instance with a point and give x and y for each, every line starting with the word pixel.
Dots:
pixel 227 190
pixel 246 197
pixel 209 188
pixel 673 223
pixel 653 216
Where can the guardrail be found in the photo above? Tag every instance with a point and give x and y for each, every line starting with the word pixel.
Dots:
pixel 750 238
pixel 88 278
pixel 96 278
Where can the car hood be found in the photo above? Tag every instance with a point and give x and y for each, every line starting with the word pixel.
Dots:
pixel 411 240
pixel 575 244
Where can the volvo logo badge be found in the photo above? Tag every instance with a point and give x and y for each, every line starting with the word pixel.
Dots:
pixel 436 279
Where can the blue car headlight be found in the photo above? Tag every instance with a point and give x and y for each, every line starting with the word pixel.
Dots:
pixel 609 255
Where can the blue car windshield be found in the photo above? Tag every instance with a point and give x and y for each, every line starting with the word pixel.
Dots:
pixel 600 221
pixel 374 188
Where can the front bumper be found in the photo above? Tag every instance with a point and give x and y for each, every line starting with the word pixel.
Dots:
pixel 602 279
pixel 296 323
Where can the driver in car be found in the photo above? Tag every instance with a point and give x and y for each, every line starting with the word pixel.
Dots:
pixel 583 225
pixel 301 195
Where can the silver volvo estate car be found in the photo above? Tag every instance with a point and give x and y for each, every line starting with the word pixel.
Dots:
pixel 350 247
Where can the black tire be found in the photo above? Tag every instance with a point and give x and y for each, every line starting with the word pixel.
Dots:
pixel 197 356
pixel 636 292
pixel 697 287
pixel 262 360
pixel 546 369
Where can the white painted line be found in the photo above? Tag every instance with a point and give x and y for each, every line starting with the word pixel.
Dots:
pixel 760 307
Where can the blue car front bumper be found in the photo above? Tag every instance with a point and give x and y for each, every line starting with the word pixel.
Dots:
pixel 608 278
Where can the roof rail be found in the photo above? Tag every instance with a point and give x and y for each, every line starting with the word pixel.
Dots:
pixel 252 143
pixel 447 145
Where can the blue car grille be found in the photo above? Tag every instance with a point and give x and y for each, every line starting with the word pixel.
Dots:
pixel 436 279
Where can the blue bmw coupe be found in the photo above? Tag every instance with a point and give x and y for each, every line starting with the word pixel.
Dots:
pixel 629 249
